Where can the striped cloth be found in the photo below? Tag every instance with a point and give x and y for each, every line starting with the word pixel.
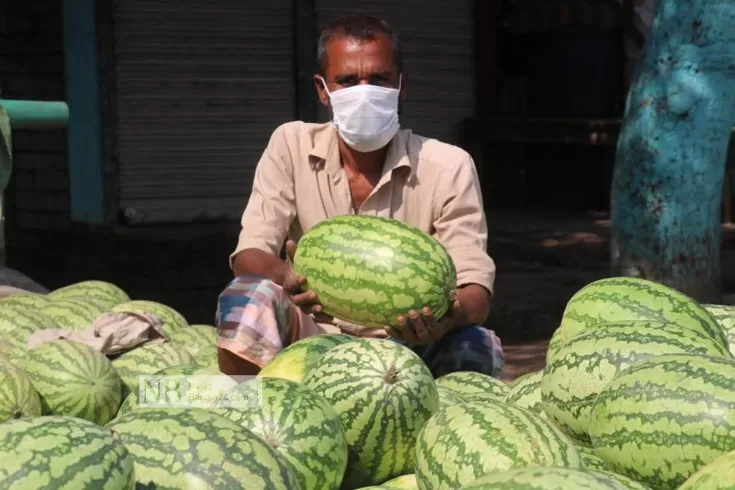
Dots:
pixel 256 320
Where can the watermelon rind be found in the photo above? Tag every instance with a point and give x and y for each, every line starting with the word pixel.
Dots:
pixel 718 474
pixel 526 393
pixel 661 419
pixel 146 360
pixel 295 361
pixel 74 313
pixel 616 299
pixel 725 316
pixel 470 384
pixel 74 379
pixel 382 391
pixel 448 396
pixel 186 448
pixel 172 319
pixel 200 341
pixel 297 422
pixel 91 288
pixel 384 269
pixel 18 397
pixel 551 478
pixel 62 453
pixel 464 442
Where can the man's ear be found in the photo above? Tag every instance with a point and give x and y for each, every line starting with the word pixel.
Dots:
pixel 321 90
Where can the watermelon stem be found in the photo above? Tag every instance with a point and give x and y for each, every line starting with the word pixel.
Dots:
pixel 392 375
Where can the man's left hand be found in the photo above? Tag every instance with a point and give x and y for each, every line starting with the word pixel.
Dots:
pixel 421 328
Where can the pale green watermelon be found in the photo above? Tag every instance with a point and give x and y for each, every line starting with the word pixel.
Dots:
pixel 192 448
pixel 60 453
pixel 382 392
pixel 200 341
pixel 526 393
pixel 31 300
pixel 590 459
pixel 403 482
pixel 554 343
pixel 102 290
pixel 471 385
pixel 718 474
pixel 448 396
pixel 725 316
pixel 297 422
pixel 148 359
pixel 74 313
pixel 17 322
pixel 172 319
pixel 551 478
pixel 295 361
pixel 18 397
pixel 74 379
pixel 464 442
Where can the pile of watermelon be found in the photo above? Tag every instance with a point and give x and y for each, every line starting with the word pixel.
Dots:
pixel 638 392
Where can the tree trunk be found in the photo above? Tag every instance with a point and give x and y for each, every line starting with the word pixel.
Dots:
pixel 670 162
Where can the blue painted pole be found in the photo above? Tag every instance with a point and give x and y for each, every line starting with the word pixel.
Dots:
pixel 32 114
pixel 86 176
pixel 670 162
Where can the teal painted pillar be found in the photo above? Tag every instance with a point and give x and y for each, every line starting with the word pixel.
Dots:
pixel 86 175
pixel 670 162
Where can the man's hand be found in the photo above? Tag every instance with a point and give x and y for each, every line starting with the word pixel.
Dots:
pixel 422 328
pixel 293 284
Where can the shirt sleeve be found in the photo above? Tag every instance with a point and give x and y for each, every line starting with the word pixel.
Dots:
pixel 271 207
pixel 461 226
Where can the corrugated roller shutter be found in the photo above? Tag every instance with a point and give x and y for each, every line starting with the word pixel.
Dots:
pixel 200 88
pixel 438 46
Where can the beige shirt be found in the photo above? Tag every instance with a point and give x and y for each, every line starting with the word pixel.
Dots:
pixel 299 181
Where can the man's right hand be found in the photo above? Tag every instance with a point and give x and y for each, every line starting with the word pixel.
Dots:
pixel 293 284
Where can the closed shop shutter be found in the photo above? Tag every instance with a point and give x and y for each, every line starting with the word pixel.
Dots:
pixel 200 86
pixel 438 47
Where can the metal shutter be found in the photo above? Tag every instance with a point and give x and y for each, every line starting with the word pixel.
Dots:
pixel 200 86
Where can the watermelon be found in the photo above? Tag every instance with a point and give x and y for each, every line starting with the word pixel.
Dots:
pixel 61 452
pixel 463 442
pixel 74 313
pixel 383 393
pixel 590 459
pixel 74 379
pixel 18 397
pixel 725 316
pixel 17 322
pixel 200 341
pixel 297 422
pixel 103 290
pixel 551 478
pixel 31 300
pixel 403 482
pixel 148 359
pixel 554 343
pixel 172 319
pixel 662 419
pixel 448 396
pixel 369 270
pixel 719 474
pixel 187 448
pixel 618 299
pixel 296 360
pixel 586 363
pixel 217 384
pixel 470 384
pixel 526 393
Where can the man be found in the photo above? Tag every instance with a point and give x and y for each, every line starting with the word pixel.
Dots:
pixel 362 163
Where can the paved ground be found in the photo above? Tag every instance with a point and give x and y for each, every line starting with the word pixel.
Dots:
pixel 542 260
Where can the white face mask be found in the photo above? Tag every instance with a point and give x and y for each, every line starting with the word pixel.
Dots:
pixel 365 115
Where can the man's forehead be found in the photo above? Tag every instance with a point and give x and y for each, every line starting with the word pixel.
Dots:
pixel 351 53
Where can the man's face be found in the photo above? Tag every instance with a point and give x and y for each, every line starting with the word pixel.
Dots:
pixel 351 61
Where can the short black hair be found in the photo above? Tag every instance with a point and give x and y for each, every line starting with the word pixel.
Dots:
pixel 362 27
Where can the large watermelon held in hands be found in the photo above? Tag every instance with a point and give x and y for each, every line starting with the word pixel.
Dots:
pixel 384 394
pixel 369 270
pixel 58 452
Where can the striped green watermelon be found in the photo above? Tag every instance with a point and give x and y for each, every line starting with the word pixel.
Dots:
pixel 295 361
pixel 662 419
pixel 590 459
pixel 297 422
pixel 18 397
pixel 550 478
pixel 403 482
pixel 725 316
pixel 448 396
pixel 470 384
pixel 191 448
pixel 31 300
pixel 586 363
pixel 618 299
pixel 148 359
pixel 74 313
pixel 217 384
pixel 526 393
pixel 384 394
pixel 200 341
pixel 464 442
pixel 61 452
pixel 554 343
pixel 92 289
pixel 369 270
pixel 172 319
pixel 74 379
pixel 718 474
pixel 17 322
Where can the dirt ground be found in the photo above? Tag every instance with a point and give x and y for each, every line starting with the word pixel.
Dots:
pixel 542 260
